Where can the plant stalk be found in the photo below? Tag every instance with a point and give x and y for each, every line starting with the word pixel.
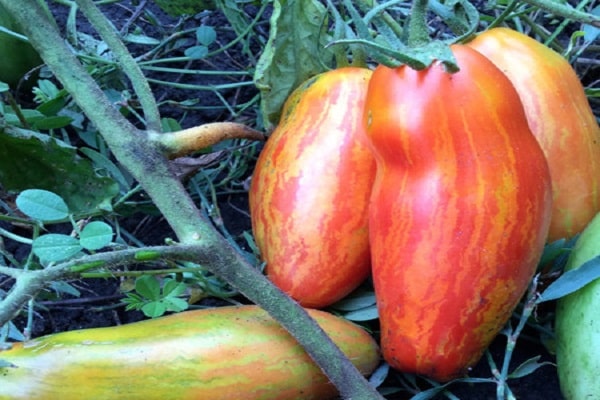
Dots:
pixel 127 63
pixel 417 30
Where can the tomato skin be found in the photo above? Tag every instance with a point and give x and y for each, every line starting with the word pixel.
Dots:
pixel 559 116
pixel 577 327
pixel 310 191
pixel 226 353
pixel 459 213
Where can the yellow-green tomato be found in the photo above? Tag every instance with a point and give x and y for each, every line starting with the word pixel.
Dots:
pixel 227 353
pixel 578 325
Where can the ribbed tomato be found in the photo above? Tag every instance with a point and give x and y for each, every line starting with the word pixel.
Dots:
pixel 310 191
pixel 561 119
pixel 459 212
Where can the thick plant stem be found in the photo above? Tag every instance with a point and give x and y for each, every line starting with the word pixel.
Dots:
pixel 144 161
pixel 566 11
pixel 418 34
pixel 140 85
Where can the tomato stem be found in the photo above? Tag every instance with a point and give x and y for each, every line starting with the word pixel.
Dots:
pixel 186 141
pixel 418 34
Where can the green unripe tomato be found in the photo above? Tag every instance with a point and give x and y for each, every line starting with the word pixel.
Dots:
pixel 578 325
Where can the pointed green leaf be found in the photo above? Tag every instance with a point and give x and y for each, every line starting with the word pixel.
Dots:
pixel 364 314
pixel 527 367
pixel 294 52
pixel 572 280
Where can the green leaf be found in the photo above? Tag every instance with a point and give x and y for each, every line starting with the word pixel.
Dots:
pixel 591 33
pixel 206 35
pixel 236 16
pixel 51 107
pixel 55 247
pixel 148 287
pixel 10 331
pixel 178 8
pixel 96 235
pixel 364 314
pixel 175 304
pixel 356 301
pixel 154 309
pixel 102 162
pixel 294 52
pixel 196 52
pixel 53 122
pixel 380 374
pixel 170 125
pixel 141 39
pixel 30 160
pixel 172 288
pixel 42 205
pixel 527 367
pixel 554 250
pixel 572 280
pixel 65 288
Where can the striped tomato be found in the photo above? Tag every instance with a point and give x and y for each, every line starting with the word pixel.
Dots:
pixel 226 353
pixel 459 212
pixel 310 191
pixel 561 119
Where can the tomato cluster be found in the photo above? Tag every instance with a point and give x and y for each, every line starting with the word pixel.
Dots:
pixel 446 186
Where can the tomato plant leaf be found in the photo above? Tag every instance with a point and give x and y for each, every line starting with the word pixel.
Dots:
pixel 42 205
pixel 294 52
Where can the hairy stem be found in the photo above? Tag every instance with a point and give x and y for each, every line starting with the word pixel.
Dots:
pixel 566 11
pixel 140 85
pixel 418 34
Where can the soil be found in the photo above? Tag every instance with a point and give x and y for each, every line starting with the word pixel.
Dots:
pixel 99 302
